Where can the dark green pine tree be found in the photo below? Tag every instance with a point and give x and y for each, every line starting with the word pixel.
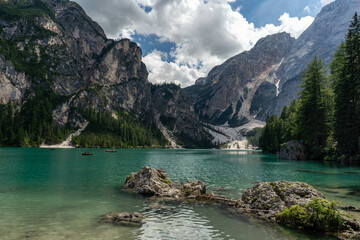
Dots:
pixel 271 135
pixel 311 114
pixel 346 72
pixel 288 116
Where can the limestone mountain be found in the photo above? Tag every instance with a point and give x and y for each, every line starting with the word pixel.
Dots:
pixel 53 48
pixel 226 95
pixel 322 38
pixel 258 83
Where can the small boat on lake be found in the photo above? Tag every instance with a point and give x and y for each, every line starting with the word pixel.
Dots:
pixel 52 149
pixel 87 153
pixel 110 150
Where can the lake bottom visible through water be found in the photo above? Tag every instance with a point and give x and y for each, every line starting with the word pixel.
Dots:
pixel 61 194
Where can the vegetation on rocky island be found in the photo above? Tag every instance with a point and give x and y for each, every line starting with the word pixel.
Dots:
pixel 317 214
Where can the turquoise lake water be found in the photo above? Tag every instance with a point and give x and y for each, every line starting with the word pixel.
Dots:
pixel 61 194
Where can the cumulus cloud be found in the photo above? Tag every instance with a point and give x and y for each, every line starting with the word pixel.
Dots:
pixel 206 33
pixel 325 2
pixel 307 9
pixel 294 26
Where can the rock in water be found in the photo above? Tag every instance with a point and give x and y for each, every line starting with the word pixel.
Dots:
pixel 124 218
pixel 267 199
pixel 151 182
pixel 292 150
pixel 193 189
pixel 351 208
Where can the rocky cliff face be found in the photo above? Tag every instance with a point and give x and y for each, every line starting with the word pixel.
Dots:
pixel 65 41
pixel 322 38
pixel 225 96
pixel 54 45
pixel 172 108
pixel 13 84
pixel 118 80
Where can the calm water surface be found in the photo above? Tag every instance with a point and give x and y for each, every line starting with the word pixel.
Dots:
pixel 62 195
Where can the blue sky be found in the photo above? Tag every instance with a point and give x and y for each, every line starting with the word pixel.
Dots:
pixel 262 12
pixel 182 40
pixel 259 12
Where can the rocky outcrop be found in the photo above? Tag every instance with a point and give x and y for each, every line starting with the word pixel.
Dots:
pixel 292 150
pixel 118 81
pixel 124 218
pixel 267 199
pixel 151 182
pixel 192 189
pixel 270 201
pixel 119 64
pixel 13 84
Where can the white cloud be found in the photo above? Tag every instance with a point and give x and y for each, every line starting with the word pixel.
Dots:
pixel 294 25
pixel 161 71
pixel 325 2
pixel 206 33
pixel 307 9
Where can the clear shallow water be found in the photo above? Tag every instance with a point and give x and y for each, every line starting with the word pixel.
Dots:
pixel 62 195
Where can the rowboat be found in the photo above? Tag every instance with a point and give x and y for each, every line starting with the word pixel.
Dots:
pixel 111 151
pixel 87 153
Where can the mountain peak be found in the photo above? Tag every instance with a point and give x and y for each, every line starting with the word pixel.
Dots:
pixel 329 8
pixel 225 95
pixel 277 37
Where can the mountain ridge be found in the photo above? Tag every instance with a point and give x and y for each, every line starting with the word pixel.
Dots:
pixel 279 86
pixel 53 44
pixel 224 100
pixel 53 48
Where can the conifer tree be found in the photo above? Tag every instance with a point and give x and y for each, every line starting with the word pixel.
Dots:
pixel 271 135
pixel 311 115
pixel 346 71
pixel 289 117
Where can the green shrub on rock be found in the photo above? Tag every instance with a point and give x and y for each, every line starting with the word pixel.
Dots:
pixel 316 215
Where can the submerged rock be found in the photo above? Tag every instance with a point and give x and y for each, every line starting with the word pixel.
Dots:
pixel 292 150
pixel 318 172
pixel 124 218
pixel 193 189
pixel 351 208
pixel 267 199
pixel 162 209
pixel 152 182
